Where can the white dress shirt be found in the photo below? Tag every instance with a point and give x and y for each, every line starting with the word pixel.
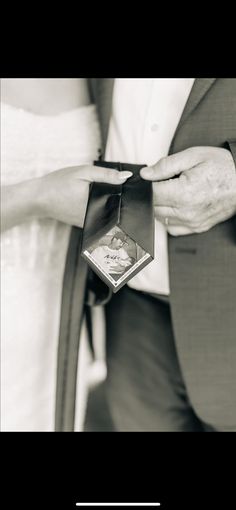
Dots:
pixel 145 115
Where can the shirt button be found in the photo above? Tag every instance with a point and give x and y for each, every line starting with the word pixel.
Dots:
pixel 154 127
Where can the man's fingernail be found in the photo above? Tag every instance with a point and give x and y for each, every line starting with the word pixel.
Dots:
pixel 124 175
pixel 146 172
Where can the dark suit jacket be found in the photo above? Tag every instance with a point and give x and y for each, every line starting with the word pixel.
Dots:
pixel 202 268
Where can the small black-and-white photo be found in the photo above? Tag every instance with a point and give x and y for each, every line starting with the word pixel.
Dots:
pixel 115 254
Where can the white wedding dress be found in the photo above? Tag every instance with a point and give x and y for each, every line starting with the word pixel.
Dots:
pixel 33 258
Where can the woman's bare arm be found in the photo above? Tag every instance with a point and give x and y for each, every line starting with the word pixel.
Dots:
pixel 61 195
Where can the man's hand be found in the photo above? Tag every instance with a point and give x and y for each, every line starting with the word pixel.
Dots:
pixel 202 194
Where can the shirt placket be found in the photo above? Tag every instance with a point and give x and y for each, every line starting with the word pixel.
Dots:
pixel 150 126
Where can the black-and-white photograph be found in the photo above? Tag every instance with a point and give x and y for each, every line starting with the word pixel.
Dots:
pixel 115 255
pixel 159 354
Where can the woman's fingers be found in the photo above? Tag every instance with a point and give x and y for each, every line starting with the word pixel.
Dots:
pixel 100 174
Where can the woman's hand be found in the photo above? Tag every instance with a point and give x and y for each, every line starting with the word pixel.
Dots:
pixel 63 195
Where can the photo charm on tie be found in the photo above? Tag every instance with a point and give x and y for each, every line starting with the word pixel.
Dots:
pixel 116 256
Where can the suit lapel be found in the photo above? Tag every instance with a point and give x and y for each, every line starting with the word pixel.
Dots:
pixel 199 89
pixel 103 96
pixel 104 90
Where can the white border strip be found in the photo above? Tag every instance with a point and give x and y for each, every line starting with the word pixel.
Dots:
pixel 118 504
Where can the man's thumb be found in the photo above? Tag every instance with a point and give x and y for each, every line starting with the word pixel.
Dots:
pixel 169 167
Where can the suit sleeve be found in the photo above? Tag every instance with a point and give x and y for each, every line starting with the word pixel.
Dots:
pixel 231 146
